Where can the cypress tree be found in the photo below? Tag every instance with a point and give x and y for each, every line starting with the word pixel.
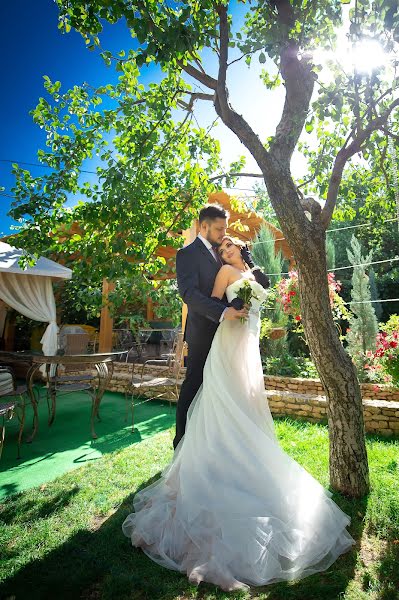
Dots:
pixel 363 325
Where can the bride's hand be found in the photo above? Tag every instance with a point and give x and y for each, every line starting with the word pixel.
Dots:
pixel 231 314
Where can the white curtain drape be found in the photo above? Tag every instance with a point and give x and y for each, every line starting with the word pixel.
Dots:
pixel 32 296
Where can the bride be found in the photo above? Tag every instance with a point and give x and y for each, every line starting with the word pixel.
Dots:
pixel 233 508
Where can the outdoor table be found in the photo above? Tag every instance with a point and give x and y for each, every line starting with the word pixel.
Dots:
pixel 103 363
pixel 10 356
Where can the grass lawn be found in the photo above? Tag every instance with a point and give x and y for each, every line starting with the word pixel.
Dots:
pixel 64 539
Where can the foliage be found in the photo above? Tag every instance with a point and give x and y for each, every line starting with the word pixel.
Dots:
pixel 270 347
pixel 383 364
pixel 363 325
pixel 263 251
pixel 80 301
pixel 167 301
pixel 266 327
pixel 388 289
pixel 27 332
pixel 151 175
pixel 287 365
pixel 391 325
pixel 288 296
pixel 150 163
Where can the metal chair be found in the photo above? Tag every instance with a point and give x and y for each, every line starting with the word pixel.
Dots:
pixel 163 385
pixel 9 389
pixel 76 343
pixel 128 343
pixel 60 377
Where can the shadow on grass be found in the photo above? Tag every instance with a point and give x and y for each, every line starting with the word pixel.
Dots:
pixel 97 563
pixel 100 563
pixel 29 510
pixel 388 572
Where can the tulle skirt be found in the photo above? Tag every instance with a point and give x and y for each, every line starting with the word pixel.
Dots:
pixel 232 508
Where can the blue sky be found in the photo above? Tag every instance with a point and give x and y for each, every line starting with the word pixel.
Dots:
pixel 31 46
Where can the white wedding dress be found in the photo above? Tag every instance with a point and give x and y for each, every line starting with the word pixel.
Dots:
pixel 232 508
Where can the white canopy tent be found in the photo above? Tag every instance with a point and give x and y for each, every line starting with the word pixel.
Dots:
pixel 30 290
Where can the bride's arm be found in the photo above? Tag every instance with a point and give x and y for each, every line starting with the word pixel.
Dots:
pixel 221 282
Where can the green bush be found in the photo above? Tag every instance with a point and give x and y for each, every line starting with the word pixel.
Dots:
pixel 289 366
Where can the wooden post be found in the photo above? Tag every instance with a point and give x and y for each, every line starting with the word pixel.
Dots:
pixel 106 321
pixel 150 309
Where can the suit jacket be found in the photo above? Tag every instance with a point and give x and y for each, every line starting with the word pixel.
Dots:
pixel 196 272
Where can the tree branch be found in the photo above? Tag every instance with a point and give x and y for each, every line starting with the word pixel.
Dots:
pixel 390 133
pixel 193 97
pixel 243 56
pixel 203 78
pixel 178 215
pixel 343 156
pixel 259 175
pixel 230 118
pixel 299 83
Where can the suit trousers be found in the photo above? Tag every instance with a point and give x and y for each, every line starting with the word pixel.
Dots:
pixel 196 358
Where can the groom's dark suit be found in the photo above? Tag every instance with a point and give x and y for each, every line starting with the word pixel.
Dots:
pixel 196 271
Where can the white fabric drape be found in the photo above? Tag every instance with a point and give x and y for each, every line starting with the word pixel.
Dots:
pixel 33 296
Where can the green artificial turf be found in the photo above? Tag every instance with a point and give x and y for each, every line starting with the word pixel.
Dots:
pixel 67 444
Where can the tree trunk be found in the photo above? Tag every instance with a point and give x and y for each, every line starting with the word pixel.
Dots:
pixel 348 457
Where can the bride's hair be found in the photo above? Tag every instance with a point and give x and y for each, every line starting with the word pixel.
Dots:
pixel 234 240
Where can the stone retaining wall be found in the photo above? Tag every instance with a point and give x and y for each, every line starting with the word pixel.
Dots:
pixel 302 398
pixel 379 416
pixel 313 386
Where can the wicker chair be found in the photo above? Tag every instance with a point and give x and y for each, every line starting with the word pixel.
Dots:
pixel 12 401
pixel 165 384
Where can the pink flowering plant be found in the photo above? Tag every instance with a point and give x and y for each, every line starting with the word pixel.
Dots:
pixel 382 366
pixel 288 296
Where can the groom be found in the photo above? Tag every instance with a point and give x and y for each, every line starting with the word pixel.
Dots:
pixel 196 268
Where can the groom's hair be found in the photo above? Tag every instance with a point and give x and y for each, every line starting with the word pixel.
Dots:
pixel 210 212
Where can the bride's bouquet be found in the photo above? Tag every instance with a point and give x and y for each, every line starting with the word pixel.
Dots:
pixel 246 294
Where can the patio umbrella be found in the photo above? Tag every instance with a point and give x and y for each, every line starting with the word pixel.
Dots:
pixel 30 290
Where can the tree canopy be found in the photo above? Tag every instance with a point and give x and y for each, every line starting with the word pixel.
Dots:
pixel 154 162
